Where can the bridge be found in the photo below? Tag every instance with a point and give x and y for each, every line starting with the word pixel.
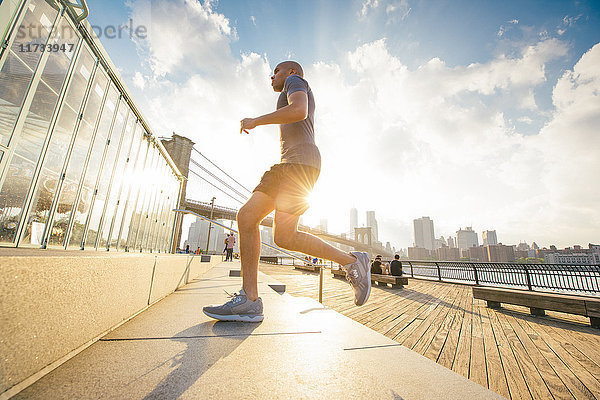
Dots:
pixel 200 170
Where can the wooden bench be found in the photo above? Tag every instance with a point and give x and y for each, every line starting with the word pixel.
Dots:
pixel 397 282
pixel 539 302
pixel 382 280
pixel 311 268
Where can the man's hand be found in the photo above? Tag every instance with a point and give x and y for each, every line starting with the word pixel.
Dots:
pixel 247 124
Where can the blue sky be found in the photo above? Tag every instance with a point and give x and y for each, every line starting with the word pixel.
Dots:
pixel 470 108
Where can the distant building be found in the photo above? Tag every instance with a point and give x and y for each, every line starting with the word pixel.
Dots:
pixel 489 237
pixel 500 253
pixel 478 253
pixel 446 253
pixel 522 246
pixel 418 253
pixel 372 223
pixel 353 219
pixel 423 233
pixel 198 235
pixel 572 258
pixel 466 238
pixel 450 242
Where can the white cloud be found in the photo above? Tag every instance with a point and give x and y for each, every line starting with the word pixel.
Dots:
pixel 366 5
pixel 183 34
pixel 138 80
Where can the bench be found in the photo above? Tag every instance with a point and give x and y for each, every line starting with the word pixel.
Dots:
pixel 397 282
pixel 539 302
pixel 311 268
pixel 382 280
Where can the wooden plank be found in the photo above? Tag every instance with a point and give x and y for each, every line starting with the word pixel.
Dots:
pixel 517 386
pixel 538 336
pixel 495 370
pixel 462 359
pixel 448 351
pixel 436 345
pixel 552 380
pixel 478 367
pixel 535 383
pixel 422 336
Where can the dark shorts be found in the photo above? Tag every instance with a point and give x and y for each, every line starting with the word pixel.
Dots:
pixel 289 185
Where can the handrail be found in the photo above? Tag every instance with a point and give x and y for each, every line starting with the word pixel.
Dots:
pixel 532 277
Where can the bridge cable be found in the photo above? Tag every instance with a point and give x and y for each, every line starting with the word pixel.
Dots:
pixel 220 180
pixel 216 187
pixel 216 166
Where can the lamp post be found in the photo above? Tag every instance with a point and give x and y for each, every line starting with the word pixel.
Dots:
pixel 212 206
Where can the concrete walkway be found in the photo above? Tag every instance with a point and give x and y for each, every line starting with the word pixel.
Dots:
pixel 300 351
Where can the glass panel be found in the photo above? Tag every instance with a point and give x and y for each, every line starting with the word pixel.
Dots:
pixel 158 208
pixel 108 169
pixel 8 10
pixel 17 71
pixel 29 143
pixel 129 196
pixel 154 203
pixel 60 140
pixel 76 162
pixel 93 167
pixel 147 185
pixel 116 185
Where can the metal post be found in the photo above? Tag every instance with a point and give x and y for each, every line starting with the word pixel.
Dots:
pixel 439 273
pixel 527 277
pixel 412 274
pixel 475 273
pixel 212 206
pixel 321 284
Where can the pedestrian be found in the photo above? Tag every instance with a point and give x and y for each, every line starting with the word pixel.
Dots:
pixel 396 266
pixel 187 249
pixel 284 188
pixel 230 242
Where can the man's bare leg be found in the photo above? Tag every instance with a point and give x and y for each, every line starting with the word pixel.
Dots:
pixel 248 219
pixel 286 235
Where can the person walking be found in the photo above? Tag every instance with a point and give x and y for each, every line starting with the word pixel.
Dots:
pixel 284 188
pixel 230 244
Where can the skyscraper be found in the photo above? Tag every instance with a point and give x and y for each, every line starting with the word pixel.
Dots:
pixel 466 238
pixel 423 231
pixel 372 222
pixel 353 219
pixel 489 237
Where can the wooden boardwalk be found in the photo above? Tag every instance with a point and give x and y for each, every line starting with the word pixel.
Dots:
pixel 507 350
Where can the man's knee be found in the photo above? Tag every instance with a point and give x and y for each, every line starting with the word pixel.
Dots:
pixel 246 218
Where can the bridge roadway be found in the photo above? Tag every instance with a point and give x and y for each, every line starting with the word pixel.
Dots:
pixel 220 212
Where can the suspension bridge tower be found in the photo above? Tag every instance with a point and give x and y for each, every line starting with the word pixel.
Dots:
pixel 180 150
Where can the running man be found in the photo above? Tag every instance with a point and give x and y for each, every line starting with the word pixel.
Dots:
pixel 284 188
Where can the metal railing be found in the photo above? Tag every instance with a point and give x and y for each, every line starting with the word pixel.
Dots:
pixel 535 277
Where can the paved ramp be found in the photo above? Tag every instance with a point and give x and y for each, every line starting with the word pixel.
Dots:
pixel 300 351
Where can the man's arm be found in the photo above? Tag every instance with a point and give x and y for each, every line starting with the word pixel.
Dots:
pixel 296 110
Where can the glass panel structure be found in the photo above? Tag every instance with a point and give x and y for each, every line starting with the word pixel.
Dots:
pixel 78 166
pixel 60 141
pixel 31 131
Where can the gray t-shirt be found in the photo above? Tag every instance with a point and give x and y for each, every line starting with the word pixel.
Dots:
pixel 298 138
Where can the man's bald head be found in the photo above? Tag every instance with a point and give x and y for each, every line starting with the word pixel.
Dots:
pixel 291 65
